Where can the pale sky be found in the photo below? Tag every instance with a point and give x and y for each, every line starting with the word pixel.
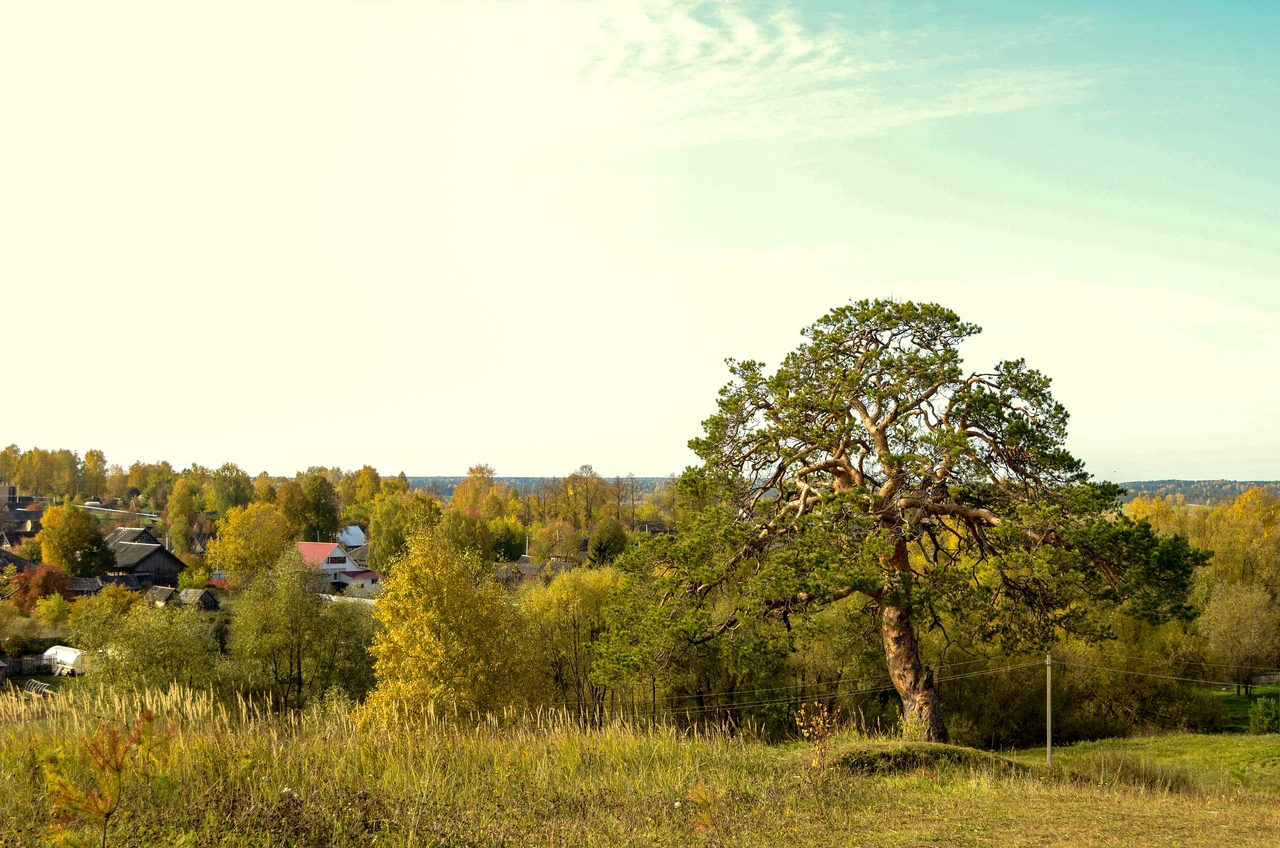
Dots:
pixel 423 235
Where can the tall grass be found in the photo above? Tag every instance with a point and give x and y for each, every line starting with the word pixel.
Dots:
pixel 247 774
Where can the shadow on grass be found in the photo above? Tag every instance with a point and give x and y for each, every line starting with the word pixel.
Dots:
pixel 1109 770
pixel 889 758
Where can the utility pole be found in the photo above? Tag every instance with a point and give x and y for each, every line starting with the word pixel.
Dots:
pixel 1048 707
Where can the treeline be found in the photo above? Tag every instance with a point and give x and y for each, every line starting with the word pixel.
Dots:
pixel 442 487
pixel 553 519
pixel 1205 492
pixel 587 643
pixel 601 640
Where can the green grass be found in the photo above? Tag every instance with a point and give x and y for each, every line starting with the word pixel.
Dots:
pixel 1238 705
pixel 1210 764
pixel 235 777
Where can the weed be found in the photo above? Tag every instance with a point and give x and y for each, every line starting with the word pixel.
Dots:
pixel 116 755
pixel 817 724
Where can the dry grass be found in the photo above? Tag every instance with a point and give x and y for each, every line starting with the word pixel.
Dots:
pixel 246 776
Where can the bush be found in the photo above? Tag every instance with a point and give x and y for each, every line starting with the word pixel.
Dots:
pixel 1264 716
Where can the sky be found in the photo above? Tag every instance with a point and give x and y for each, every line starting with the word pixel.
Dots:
pixel 423 235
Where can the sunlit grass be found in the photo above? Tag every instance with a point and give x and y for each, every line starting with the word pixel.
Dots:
pixel 242 775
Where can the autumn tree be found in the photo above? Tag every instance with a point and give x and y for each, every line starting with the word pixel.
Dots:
pixel 320 508
pixel 395 516
pixel 871 464
pixel 180 512
pixel 448 634
pixel 30 586
pixel 1241 626
pixel 357 490
pixel 95 619
pixel 469 495
pixel 71 540
pixel 250 540
pixel 607 543
pixel 288 641
pixel 466 532
pixel 152 648
pixel 264 488
pixel 565 620
pixel 292 503
pixel 93 474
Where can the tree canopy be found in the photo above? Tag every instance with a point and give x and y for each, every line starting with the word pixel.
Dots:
pixel 251 540
pixel 870 463
pixel 70 539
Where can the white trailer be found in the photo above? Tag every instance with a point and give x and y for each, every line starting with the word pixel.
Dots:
pixel 65 660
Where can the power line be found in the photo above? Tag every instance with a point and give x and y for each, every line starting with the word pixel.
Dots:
pixel 1261 668
pixel 838 693
pixel 1147 674
pixel 808 686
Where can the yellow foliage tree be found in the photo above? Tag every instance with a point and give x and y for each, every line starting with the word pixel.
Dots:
pixel 564 620
pixel 250 540
pixel 449 641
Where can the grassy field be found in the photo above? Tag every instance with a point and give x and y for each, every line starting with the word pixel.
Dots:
pixel 222 776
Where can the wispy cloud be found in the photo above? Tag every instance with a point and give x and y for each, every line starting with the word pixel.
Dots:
pixel 673 73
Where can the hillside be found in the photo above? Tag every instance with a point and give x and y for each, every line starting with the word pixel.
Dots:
pixel 318 778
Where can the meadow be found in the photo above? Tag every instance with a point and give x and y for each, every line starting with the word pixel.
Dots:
pixel 204 773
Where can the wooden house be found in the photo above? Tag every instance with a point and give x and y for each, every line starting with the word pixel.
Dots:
pixel 140 555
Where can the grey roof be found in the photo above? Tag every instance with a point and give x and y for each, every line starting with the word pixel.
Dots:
pixel 160 594
pixel 131 534
pixel 7 559
pixel 86 585
pixel 525 569
pixel 360 555
pixel 128 581
pixel 198 597
pixel 129 554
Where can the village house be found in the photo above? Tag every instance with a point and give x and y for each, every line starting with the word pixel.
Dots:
pixel 141 556
pixel 9 558
pixel 19 516
pixel 339 570
pixel 201 599
pixel 512 574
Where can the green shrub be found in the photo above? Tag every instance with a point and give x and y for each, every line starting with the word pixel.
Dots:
pixel 1264 716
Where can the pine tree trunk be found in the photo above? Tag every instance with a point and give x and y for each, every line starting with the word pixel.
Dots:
pixel 921 708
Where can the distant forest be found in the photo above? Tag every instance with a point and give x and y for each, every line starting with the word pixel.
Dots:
pixel 1207 492
pixel 443 487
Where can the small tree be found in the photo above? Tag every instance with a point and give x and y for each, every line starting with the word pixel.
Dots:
pixel 397 515
pixel 52 610
pixel 564 621
pixel 1242 628
pixel 96 619
pixel 289 642
pixel 179 514
pixel 39 583
pixel 448 633
pixel 154 648
pixel 320 509
pixel 607 543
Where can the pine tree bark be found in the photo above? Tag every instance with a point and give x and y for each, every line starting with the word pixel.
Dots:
pixel 921 707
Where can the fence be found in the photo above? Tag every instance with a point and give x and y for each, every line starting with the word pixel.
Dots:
pixel 27 665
